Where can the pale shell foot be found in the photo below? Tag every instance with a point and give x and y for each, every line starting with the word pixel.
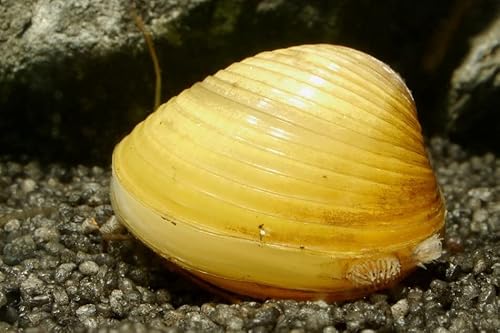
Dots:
pixel 376 272
pixel 428 250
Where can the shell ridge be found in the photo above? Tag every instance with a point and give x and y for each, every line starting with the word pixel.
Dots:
pixel 394 139
pixel 409 112
pixel 410 204
pixel 404 130
pixel 371 70
pixel 287 156
pixel 352 89
pixel 209 148
pixel 363 73
pixel 415 165
pixel 238 181
pixel 193 186
pixel 333 228
pixel 297 109
pixel 392 78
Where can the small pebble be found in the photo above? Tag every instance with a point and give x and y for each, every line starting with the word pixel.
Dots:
pixel 45 234
pixel 28 185
pixel 89 225
pixel 480 215
pixel 64 271
pixel 86 310
pixel 12 225
pixel 482 193
pixel 88 267
pixel 3 299
pixel 32 286
pixel 400 309
pixel 112 226
pixel 440 330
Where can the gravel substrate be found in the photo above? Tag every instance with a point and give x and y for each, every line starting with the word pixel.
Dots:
pixel 58 273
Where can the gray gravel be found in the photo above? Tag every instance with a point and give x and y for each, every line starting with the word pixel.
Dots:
pixel 57 273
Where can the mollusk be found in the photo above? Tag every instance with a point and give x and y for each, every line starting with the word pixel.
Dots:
pixel 297 173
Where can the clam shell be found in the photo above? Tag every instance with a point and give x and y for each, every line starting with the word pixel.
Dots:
pixel 297 173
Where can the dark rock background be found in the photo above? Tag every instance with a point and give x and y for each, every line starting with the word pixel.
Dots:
pixel 75 76
pixel 473 102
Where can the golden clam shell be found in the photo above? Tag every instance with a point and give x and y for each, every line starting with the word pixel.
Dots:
pixel 297 173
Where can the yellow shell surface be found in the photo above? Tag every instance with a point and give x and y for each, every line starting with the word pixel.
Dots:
pixel 297 173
